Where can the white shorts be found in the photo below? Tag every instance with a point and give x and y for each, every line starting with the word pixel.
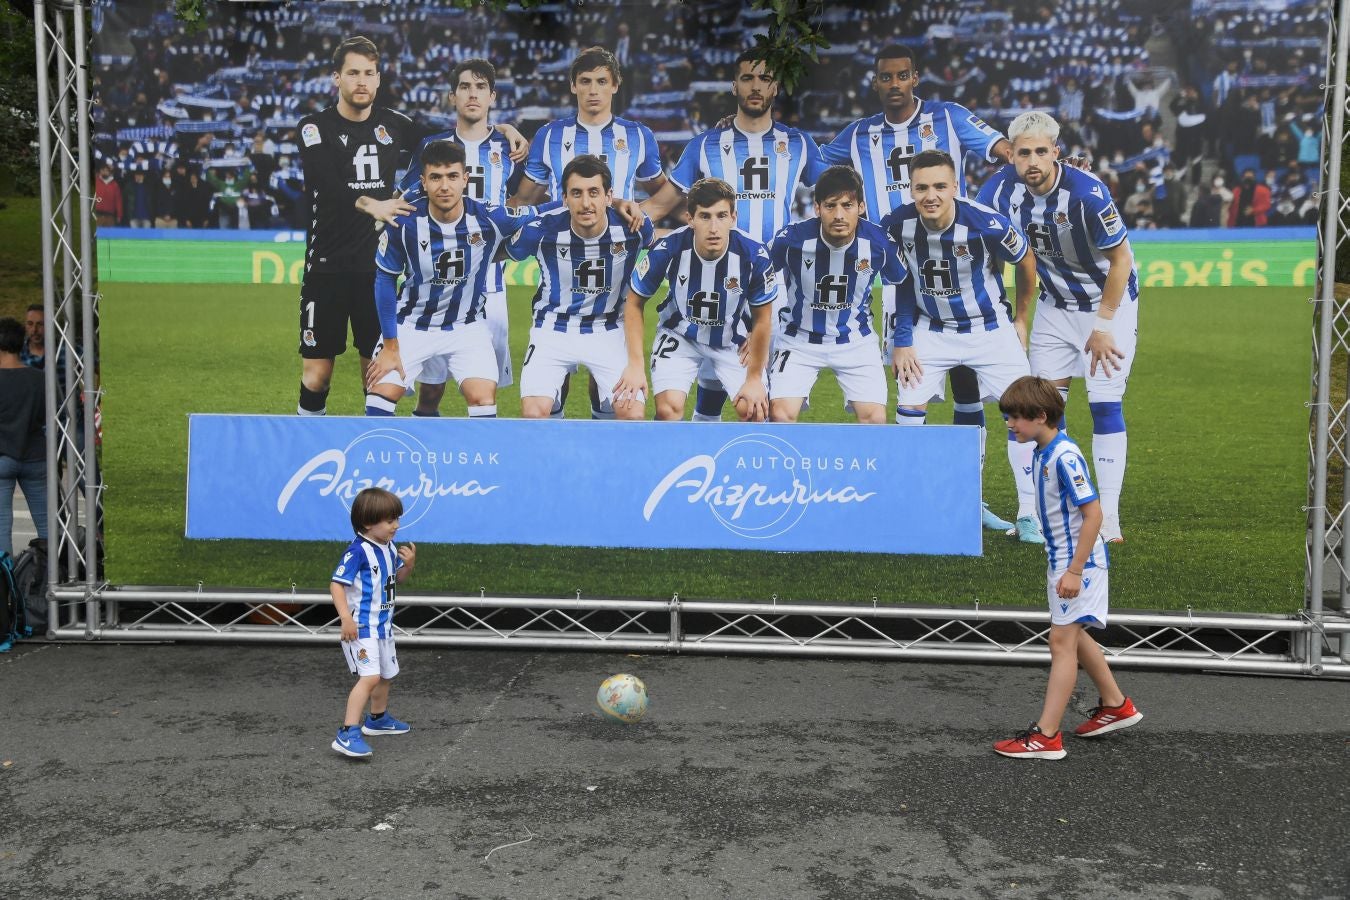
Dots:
pixel 887 324
pixel 676 360
pixel 1058 337
pixel 371 656
pixel 435 371
pixel 796 363
pixel 996 356
pixel 465 351
pixel 551 355
pixel 1089 607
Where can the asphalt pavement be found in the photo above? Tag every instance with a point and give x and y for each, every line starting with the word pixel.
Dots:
pixel 194 770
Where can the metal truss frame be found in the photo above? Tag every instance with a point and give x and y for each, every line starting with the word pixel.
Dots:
pixel 1314 642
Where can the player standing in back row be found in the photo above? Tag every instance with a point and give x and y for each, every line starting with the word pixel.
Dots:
pixel 351 153
pixel 1087 321
pixel 881 148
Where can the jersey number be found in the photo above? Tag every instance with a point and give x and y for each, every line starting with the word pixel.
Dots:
pixel 309 314
pixel 367 163
pixel 779 360
pixel 665 345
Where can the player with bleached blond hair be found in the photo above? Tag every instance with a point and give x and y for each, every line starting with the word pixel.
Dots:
pixel 1088 312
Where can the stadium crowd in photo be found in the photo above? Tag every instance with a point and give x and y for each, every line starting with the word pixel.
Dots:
pixel 1173 103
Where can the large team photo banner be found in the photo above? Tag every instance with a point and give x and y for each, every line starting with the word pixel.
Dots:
pixel 805 487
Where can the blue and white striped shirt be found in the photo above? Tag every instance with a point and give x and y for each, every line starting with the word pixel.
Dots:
pixel 765 170
pixel 447 267
pixel 629 149
pixel 827 289
pixel 957 274
pixel 367 571
pixel 1063 485
pixel 707 299
pixel 1068 228
pixel 582 281
pixel 487 169
pixel 881 152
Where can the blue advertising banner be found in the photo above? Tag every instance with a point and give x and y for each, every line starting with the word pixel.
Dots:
pixel 618 484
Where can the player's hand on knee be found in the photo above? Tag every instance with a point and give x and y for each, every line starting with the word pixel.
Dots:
pixel 386 360
pixel 908 369
pixel 752 403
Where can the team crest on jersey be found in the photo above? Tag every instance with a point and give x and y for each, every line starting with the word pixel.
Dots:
pixel 475 238
pixel 781 148
pixel 618 250
pixel 1061 220
pixel 310 134
pixel 495 158
pixel 961 251
pixel 308 339
pixel 1045 472
pixel 382 135
pixel 732 284
pixel 620 145
pixel 863 265
pixel 926 132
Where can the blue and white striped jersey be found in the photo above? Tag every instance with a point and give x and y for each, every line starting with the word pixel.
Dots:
pixel 707 299
pixel 957 282
pixel 488 170
pixel 828 290
pixel 1068 229
pixel 367 571
pixel 582 281
pixel 629 149
pixel 1062 486
pixel 447 266
pixel 764 168
pixel 881 152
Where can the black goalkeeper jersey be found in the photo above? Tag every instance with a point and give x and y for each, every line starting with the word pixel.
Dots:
pixel 342 161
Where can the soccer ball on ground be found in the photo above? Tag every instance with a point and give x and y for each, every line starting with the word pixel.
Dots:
pixel 622 698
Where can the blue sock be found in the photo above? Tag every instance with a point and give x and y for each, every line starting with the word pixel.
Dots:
pixel 709 401
pixel 379 406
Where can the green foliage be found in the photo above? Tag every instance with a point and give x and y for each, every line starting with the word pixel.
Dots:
pixel 18 103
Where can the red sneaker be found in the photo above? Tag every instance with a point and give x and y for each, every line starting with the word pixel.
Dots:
pixel 1106 719
pixel 1032 744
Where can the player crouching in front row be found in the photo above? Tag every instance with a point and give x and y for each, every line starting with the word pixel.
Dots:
pixel 715 275
pixel 828 265
pixel 438 313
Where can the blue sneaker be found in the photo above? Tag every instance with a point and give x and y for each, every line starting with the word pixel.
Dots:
pixel 350 743
pixel 1029 531
pixel 991 521
pixel 385 724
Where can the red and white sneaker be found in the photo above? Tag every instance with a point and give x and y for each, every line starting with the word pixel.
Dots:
pixel 1106 719
pixel 1032 744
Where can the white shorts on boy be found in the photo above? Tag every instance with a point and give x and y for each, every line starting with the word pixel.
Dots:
pixel 552 355
pixel 677 366
pixel 799 362
pixel 465 352
pixel 1058 339
pixel 996 356
pixel 371 656
pixel 1088 608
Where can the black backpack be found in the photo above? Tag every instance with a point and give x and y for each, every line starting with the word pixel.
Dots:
pixel 30 584
pixel 13 615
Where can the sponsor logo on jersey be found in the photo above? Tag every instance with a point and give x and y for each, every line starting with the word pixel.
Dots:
pixel 1064 607
pixel 310 134
pixel 961 251
pixel 382 135
pixel 980 124
pixel 620 145
pixel 926 132
pixel 727 148
pixel 1080 482
pixel 425 244
pixel 863 265
pixel 1013 241
pixel 343 138
pixel 732 284
pixel 1110 219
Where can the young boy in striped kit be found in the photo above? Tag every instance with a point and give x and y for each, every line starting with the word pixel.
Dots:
pixel 1077 577
pixel 363 588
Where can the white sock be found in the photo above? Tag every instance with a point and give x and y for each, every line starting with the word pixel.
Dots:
pixel 1108 452
pixel 1020 458
pixel 911 416
pixel 700 417
pixel 483 412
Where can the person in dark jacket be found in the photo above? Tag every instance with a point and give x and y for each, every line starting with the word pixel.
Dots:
pixel 23 442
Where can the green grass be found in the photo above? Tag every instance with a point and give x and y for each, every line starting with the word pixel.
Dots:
pixel 20 255
pixel 1212 504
